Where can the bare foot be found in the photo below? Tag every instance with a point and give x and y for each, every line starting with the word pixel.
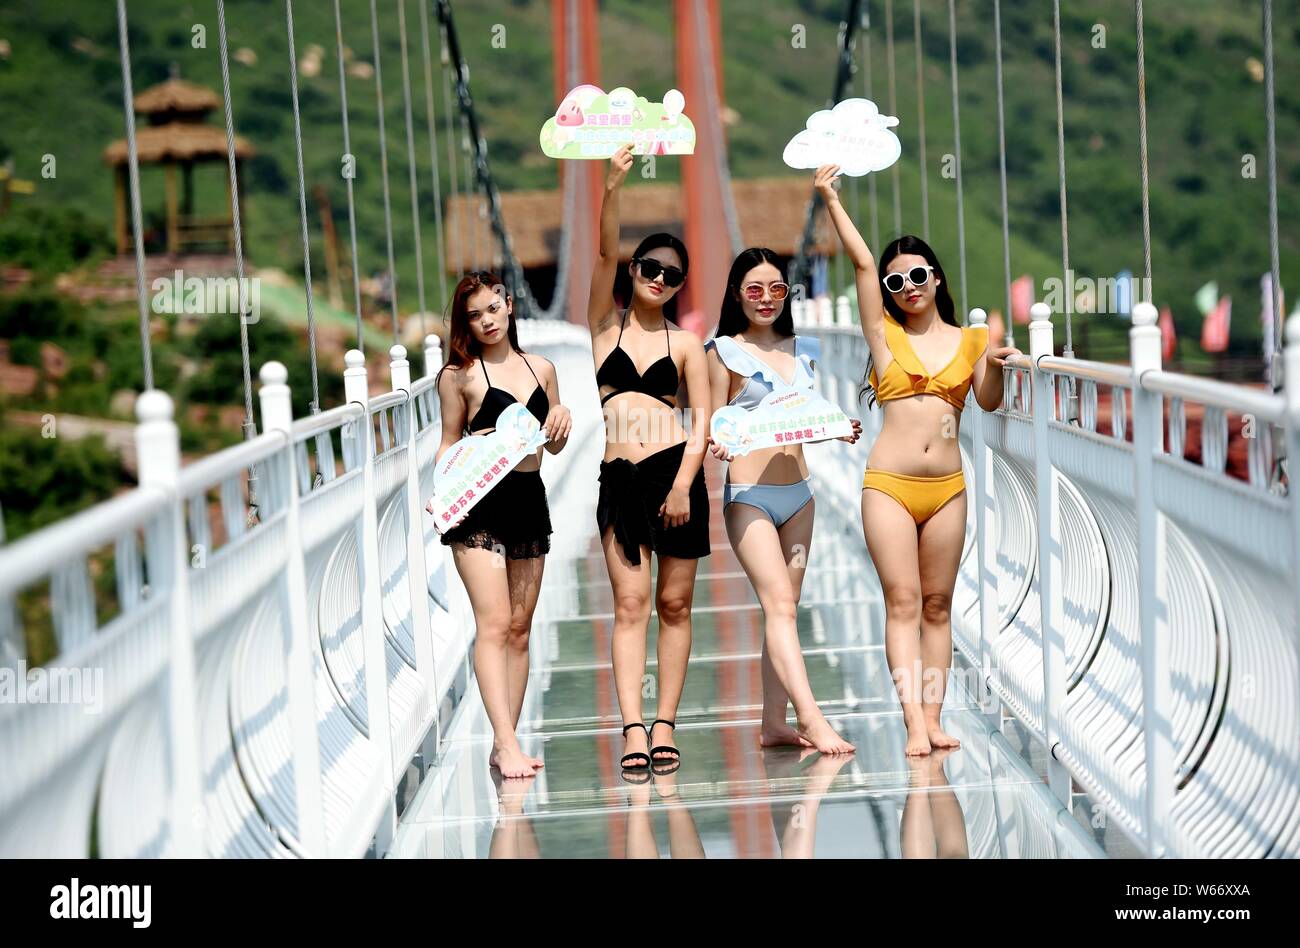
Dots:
pixel 938 737
pixel 513 763
pixel 918 741
pixel 781 735
pixel 537 762
pixel 822 736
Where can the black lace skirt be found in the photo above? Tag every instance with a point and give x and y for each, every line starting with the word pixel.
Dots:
pixel 513 519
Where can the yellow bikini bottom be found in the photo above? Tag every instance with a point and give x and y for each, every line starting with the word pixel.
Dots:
pixel 920 496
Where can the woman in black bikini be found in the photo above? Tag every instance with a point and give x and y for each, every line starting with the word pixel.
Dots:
pixel 511 526
pixel 652 492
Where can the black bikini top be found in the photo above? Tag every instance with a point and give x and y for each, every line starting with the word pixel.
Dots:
pixel 660 380
pixel 496 400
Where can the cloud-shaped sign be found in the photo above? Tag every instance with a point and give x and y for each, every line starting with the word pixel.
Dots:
pixel 853 135
pixel 591 123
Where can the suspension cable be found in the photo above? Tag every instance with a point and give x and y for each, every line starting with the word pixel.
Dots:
pixel 1275 363
pixel 432 125
pixel 133 172
pixel 866 90
pixel 920 118
pixel 1142 143
pixel 893 110
pixel 799 266
pixel 1060 155
pixel 458 215
pixel 383 165
pixel 347 151
pixel 956 133
pixel 1002 175
pixel 302 205
pixel 250 429
pixel 410 164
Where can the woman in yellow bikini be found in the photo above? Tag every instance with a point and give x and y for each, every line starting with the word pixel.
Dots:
pixel 921 366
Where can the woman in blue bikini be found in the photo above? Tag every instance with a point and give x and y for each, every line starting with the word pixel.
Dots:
pixel 767 504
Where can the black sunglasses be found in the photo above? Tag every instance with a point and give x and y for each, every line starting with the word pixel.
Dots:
pixel 652 268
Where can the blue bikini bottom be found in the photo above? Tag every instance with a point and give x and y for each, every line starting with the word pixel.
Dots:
pixel 779 501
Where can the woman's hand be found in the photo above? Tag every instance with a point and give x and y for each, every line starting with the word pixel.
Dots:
pixel 857 432
pixel 824 182
pixel 997 358
pixel 718 451
pixel 558 424
pixel 676 508
pixel 619 165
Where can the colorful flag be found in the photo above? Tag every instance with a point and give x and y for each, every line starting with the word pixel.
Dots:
pixel 1214 331
pixel 1022 298
pixel 1168 338
pixel 1206 297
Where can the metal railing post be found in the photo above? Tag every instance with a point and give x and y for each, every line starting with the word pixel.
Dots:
pixel 357 389
pixel 1050 565
pixel 1153 615
pixel 1291 392
pixel 986 546
pixel 417 573
pixel 277 415
pixel 158 448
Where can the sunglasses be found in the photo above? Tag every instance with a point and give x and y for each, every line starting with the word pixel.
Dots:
pixel 652 268
pixel 917 276
pixel 754 291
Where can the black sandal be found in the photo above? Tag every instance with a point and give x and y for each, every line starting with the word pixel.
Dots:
pixel 644 759
pixel 677 754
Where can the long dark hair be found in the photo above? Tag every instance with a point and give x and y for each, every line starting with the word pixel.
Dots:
pixel 909 244
pixel 733 319
pixel 652 242
pixel 462 347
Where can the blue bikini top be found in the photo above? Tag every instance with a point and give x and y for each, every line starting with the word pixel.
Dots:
pixel 760 378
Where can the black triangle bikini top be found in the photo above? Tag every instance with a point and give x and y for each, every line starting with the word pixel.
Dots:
pixel 619 371
pixel 496 400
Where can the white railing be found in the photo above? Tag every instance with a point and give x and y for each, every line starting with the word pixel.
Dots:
pixel 272 666
pixel 1108 582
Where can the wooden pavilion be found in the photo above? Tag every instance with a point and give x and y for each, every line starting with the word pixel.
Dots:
pixel 177 135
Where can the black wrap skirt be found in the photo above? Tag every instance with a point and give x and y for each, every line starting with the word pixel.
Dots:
pixel 631 495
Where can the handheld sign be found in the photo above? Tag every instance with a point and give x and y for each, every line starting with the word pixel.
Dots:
pixel 591 123
pixel 853 135
pixel 475 464
pixel 781 418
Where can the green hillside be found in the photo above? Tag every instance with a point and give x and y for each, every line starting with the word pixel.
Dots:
pixel 60 94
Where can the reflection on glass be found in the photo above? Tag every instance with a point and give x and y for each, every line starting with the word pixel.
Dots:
pixel 513 836
pixel 795 819
pixel 683 835
pixel 933 824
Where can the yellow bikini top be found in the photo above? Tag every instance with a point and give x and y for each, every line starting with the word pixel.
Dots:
pixel 906 376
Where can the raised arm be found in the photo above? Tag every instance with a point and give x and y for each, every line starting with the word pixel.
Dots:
pixel 871 306
pixel 600 303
